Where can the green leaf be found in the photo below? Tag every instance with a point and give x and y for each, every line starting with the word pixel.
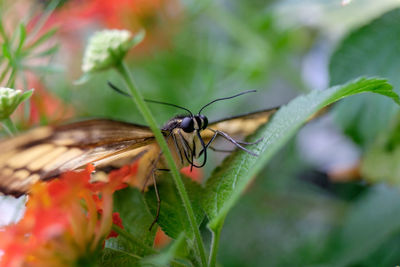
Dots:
pixel 136 220
pixel 166 257
pixel 369 50
pixel 173 219
pixel 381 161
pixel 138 38
pixel 46 36
pixel 22 36
pixel 113 257
pixel 83 79
pixel 26 95
pixel 47 68
pixel 3 32
pixel 48 52
pixel 380 165
pixel 229 180
pixel 6 52
pixel 371 221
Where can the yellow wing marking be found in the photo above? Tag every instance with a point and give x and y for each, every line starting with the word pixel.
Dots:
pixel 242 125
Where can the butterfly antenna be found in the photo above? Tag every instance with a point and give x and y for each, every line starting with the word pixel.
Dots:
pixel 168 104
pixel 224 98
pixel 119 91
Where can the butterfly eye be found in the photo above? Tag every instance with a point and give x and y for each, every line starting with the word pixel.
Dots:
pixel 205 122
pixel 187 125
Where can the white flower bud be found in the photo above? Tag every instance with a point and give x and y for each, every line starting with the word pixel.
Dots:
pixel 10 100
pixel 107 48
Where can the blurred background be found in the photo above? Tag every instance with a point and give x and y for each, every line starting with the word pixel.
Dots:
pixel 330 197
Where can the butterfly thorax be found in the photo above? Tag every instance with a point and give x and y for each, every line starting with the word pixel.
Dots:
pixel 183 132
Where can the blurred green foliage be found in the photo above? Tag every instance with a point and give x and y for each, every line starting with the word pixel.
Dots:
pixel 325 224
pixel 369 50
pixel 21 47
pixel 217 52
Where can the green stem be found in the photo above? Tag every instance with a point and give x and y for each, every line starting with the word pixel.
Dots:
pixel 9 126
pixel 216 233
pixel 11 79
pixel 143 108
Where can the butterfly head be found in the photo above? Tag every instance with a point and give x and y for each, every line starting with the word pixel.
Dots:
pixel 191 123
pixel 188 123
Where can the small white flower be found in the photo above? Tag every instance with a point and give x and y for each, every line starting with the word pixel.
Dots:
pixel 10 100
pixel 107 48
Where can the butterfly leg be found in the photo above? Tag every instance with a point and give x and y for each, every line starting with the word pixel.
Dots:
pixel 228 150
pixel 158 201
pixel 216 132
pixel 250 143
pixel 157 196
pixel 154 163
pixel 230 139
pixel 209 142
pixel 221 150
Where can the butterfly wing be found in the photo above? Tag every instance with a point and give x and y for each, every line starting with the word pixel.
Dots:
pixel 45 152
pixel 242 125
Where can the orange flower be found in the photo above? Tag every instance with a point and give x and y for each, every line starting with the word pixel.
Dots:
pixel 120 13
pixel 161 239
pixel 47 107
pixel 159 18
pixel 66 220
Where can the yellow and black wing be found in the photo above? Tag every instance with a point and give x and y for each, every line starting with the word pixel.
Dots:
pixel 242 125
pixel 46 152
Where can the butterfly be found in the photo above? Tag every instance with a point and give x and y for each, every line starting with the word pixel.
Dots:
pixel 46 152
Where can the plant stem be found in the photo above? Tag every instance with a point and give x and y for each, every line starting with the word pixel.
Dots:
pixel 143 108
pixel 9 126
pixel 216 233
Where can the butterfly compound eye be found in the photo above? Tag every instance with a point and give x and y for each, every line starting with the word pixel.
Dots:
pixel 187 124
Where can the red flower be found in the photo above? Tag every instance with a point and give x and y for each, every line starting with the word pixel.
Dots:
pixel 116 221
pixel 66 219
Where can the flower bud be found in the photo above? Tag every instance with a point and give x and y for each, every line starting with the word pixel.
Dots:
pixel 10 100
pixel 107 48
